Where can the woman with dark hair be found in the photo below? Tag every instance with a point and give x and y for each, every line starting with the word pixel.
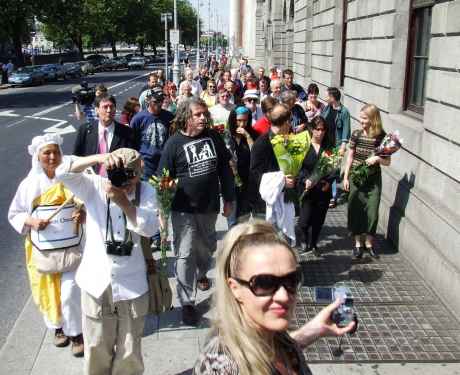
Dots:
pixel 131 107
pixel 315 202
pixel 242 138
pixel 313 106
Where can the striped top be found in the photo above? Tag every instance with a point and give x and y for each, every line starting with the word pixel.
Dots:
pixel 215 360
pixel 363 146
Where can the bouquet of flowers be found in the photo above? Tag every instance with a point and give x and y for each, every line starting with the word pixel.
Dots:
pixel 227 138
pixel 165 187
pixel 389 145
pixel 290 150
pixel 328 163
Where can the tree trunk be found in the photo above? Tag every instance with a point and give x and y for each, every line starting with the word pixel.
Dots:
pixel 141 47
pixel 113 44
pixel 17 45
pixel 79 44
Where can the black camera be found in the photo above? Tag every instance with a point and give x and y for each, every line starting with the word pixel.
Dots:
pixel 120 176
pixel 83 94
pixel 344 314
pixel 119 248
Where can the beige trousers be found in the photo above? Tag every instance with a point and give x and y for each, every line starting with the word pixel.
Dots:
pixel 112 333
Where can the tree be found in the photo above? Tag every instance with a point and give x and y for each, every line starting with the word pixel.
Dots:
pixel 67 20
pixel 17 21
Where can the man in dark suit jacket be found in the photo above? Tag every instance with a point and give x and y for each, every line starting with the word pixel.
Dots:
pixel 103 136
pixel 263 159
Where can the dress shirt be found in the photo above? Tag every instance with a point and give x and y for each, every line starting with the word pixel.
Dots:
pixel 98 270
pixel 110 131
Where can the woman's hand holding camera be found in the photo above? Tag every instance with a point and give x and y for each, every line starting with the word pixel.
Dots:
pixel 321 326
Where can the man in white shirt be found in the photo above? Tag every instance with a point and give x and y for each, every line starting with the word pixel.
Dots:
pixel 251 102
pixel 196 87
pixel 112 274
pixel 221 111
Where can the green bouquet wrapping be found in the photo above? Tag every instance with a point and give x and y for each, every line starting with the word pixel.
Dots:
pixel 290 150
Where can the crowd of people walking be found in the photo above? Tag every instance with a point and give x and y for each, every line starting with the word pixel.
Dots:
pixel 218 137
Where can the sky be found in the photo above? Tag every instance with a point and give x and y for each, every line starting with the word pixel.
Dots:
pixel 222 7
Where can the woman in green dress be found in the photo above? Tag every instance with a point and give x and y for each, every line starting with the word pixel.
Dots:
pixel 364 200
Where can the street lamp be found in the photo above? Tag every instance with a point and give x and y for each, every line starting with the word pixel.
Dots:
pixel 165 17
pixel 198 37
pixel 176 49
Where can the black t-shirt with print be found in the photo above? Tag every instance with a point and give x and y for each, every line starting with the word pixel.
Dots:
pixel 199 163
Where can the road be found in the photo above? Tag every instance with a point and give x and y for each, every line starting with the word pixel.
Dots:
pixel 25 113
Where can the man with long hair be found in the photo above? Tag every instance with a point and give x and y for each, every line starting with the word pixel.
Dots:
pixel 196 155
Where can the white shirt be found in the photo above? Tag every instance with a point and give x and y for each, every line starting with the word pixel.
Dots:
pixel 220 114
pixel 196 87
pixel 98 270
pixel 110 131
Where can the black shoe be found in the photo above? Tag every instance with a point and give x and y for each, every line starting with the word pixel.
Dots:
pixel 315 251
pixel 358 252
pixel 373 253
pixel 189 315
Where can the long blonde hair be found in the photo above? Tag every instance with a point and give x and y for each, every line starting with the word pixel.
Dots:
pixel 373 113
pixel 247 346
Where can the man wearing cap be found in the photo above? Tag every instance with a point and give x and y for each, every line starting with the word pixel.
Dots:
pixel 151 131
pixel 251 102
pixel 112 274
pixel 103 136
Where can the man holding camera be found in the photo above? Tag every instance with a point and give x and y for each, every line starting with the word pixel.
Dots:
pixel 112 274
pixel 85 96
pixel 103 136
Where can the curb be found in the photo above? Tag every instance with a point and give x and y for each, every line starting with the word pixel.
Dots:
pixel 24 342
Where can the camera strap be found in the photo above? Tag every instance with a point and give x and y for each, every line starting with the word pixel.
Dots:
pixel 109 227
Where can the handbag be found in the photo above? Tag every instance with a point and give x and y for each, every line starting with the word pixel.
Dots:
pixel 56 261
pixel 160 293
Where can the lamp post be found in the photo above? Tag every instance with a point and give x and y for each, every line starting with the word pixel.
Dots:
pixel 176 50
pixel 198 37
pixel 165 17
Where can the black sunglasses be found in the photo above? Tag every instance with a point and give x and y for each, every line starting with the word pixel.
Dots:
pixel 267 285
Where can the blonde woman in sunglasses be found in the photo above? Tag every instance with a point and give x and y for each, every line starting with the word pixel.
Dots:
pixel 256 290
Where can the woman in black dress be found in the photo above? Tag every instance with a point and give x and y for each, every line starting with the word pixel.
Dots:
pixel 315 202
pixel 242 137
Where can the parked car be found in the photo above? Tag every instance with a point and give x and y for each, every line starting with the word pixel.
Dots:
pixel 120 62
pixel 29 75
pixel 97 61
pixel 136 62
pixel 53 72
pixel 86 67
pixel 73 70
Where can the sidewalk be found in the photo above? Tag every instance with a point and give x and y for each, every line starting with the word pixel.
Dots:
pixel 400 317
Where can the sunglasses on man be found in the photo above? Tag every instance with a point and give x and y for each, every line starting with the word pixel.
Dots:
pixel 265 285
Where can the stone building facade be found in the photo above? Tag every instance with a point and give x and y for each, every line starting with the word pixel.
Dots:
pixel 403 56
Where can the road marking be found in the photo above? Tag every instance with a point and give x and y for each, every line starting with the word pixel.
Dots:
pixel 9 113
pixel 44 112
pixel 15 123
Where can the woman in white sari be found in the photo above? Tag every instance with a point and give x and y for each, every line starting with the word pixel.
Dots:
pixel 55 293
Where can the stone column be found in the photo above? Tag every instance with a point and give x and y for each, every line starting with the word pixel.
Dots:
pixel 235 26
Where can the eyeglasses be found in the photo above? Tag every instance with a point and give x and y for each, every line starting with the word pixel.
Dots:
pixel 251 100
pixel 267 285
pixel 320 129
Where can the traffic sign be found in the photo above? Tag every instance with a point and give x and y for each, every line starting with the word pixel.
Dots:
pixel 174 36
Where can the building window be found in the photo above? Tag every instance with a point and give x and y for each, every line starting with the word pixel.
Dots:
pixel 417 54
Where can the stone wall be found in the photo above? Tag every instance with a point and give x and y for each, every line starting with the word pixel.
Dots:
pixel 420 207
